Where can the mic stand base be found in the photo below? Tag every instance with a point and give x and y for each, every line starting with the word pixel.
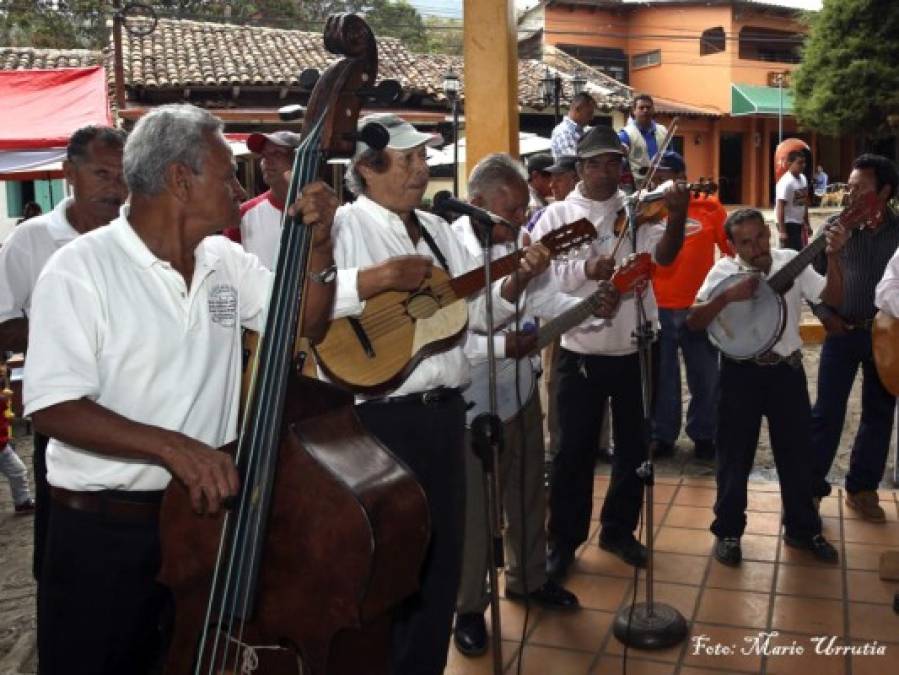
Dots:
pixel 642 627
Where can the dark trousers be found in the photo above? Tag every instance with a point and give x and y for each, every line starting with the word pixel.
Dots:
pixel 41 501
pixel 99 606
pixel 430 440
pixel 794 236
pixel 841 357
pixel 780 393
pixel 585 381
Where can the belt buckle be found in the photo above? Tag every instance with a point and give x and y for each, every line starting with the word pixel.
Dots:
pixel 430 397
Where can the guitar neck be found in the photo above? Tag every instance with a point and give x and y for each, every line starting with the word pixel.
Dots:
pixel 566 320
pixel 473 281
pixel 782 279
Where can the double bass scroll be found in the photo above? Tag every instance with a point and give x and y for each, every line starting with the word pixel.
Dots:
pixel 329 530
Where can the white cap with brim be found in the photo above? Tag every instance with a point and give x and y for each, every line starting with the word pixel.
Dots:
pixel 403 136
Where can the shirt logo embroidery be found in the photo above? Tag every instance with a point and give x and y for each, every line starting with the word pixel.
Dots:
pixel 223 305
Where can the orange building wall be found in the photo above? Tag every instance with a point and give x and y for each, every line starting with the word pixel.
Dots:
pixel 686 76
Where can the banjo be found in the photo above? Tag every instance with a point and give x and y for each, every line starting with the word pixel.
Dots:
pixel 748 328
pixel 512 388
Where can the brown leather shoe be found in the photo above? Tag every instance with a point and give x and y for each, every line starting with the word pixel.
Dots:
pixel 865 503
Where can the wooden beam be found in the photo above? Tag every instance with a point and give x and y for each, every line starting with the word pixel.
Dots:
pixel 491 79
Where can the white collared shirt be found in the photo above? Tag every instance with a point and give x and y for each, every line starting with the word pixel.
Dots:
pixel 807 286
pixel 24 255
pixel 886 296
pixel 120 327
pixel 542 298
pixel 365 234
pixel 599 336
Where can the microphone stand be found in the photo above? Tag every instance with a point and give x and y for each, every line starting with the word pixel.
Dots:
pixel 487 443
pixel 650 624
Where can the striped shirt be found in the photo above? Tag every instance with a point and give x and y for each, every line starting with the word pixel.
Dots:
pixel 864 260
pixel 565 137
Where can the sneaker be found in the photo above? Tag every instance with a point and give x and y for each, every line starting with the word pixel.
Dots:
pixel 24 508
pixel 866 504
pixel 728 551
pixel 627 548
pixel 704 450
pixel 818 545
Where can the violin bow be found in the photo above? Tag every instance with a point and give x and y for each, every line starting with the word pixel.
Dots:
pixel 652 172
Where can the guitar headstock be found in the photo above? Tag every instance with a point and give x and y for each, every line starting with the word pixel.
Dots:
pixel 579 233
pixel 863 211
pixel 635 269
pixel 704 186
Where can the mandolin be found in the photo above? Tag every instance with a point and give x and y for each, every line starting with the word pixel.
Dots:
pixel 377 350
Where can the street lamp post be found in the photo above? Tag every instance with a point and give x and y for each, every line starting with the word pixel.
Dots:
pixel 551 91
pixel 451 90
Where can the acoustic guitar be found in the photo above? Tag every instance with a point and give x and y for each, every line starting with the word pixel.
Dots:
pixel 377 350
pixel 513 390
pixel 885 342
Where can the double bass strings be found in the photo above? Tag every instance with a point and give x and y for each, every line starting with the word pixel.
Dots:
pixel 233 593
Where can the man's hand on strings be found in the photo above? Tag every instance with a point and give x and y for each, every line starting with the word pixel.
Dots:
pixel 316 207
pixel 608 299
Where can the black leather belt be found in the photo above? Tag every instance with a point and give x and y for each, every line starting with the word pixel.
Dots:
pixel 428 398
pixel 771 358
pixel 864 324
pixel 135 507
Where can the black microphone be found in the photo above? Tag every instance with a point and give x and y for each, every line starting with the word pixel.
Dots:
pixel 444 203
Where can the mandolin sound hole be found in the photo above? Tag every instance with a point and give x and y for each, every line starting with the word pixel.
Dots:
pixel 422 305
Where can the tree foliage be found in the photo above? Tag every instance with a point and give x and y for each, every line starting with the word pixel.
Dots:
pixel 848 81
pixel 82 23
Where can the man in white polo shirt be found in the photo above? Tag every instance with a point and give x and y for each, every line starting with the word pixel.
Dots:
pixel 93 168
pixel 260 217
pixel 135 375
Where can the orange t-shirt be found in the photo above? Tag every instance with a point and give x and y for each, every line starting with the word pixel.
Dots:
pixel 676 285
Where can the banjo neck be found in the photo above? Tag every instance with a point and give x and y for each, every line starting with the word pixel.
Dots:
pixel 781 280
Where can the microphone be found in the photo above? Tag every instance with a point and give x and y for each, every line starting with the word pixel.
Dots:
pixel 445 203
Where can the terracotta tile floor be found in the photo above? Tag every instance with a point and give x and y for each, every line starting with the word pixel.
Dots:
pixel 776 589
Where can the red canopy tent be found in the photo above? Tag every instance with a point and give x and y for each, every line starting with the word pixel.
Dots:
pixel 40 111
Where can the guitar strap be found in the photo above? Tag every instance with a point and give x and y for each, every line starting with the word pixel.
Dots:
pixel 429 240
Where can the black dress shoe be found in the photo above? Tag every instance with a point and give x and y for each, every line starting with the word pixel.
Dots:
pixel 818 545
pixel 470 634
pixel 558 560
pixel 549 596
pixel 627 548
pixel 728 552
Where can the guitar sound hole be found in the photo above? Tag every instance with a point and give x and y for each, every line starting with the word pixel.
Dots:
pixel 422 305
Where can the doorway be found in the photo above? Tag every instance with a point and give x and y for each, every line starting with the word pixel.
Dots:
pixel 730 161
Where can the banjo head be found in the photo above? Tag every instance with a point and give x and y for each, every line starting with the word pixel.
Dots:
pixel 748 328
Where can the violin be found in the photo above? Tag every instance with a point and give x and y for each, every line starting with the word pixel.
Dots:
pixel 329 530
pixel 651 206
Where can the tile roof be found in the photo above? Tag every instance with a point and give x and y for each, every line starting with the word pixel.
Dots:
pixel 28 58
pixel 182 53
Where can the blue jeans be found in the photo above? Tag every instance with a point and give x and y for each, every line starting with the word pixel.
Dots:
pixel 701 361
pixel 841 356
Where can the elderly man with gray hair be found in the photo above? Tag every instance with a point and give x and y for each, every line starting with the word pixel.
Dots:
pixel 135 376
pixel 392 245
pixel 498 184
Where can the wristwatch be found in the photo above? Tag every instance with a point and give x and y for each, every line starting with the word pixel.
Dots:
pixel 326 276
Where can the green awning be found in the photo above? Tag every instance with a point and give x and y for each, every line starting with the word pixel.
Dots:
pixel 751 99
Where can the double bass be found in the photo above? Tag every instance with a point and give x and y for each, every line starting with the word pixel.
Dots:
pixel 329 530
